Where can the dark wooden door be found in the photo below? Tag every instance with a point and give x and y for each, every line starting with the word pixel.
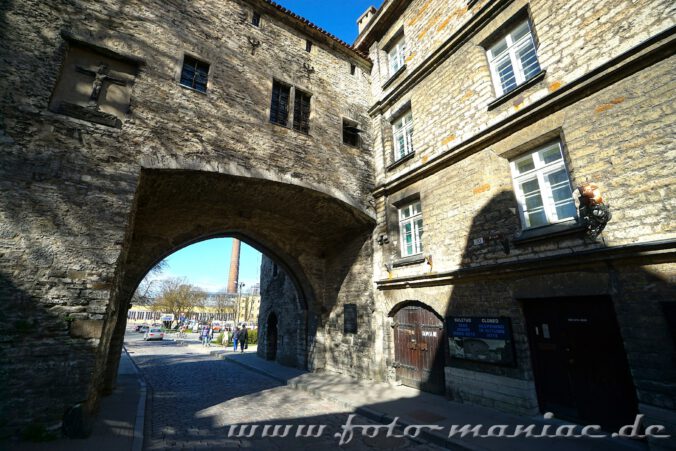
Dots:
pixel 271 337
pixel 580 366
pixel 418 341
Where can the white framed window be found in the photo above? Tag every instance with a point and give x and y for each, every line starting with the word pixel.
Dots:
pixel 542 187
pixel 513 59
pixel 402 131
pixel 396 56
pixel 410 229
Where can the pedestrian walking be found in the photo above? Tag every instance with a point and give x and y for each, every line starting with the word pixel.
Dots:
pixel 243 338
pixel 226 335
pixel 204 334
pixel 235 337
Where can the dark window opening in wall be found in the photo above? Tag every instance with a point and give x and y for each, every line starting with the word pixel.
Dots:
pixel 350 319
pixel 195 74
pixel 275 270
pixel 669 309
pixel 308 46
pixel 256 20
pixel 279 108
pixel 301 111
pixel 353 69
pixel 351 133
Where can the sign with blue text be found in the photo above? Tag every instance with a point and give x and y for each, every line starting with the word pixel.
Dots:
pixel 482 339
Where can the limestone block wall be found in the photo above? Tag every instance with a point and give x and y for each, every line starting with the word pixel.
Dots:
pixel 69 186
pixel 451 105
pixel 620 137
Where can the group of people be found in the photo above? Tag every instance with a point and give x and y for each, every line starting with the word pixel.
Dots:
pixel 240 336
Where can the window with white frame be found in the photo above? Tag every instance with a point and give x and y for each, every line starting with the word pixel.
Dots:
pixel 542 187
pixel 396 56
pixel 411 229
pixel 513 59
pixel 402 131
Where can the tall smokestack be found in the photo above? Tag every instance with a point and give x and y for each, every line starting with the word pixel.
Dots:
pixel 233 278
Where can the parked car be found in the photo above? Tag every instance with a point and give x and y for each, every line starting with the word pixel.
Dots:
pixel 154 333
pixel 142 328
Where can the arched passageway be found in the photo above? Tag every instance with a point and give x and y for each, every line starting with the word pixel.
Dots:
pixel 319 241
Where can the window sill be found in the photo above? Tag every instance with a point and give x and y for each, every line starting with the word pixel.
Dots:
pixel 394 76
pixel 519 89
pixel 190 88
pixel 400 161
pixel 290 128
pixel 410 260
pixel 549 231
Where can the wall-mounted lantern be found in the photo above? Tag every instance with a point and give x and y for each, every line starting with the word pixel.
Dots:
pixel 594 214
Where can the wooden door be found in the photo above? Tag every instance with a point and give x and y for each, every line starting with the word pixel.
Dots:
pixel 418 348
pixel 579 362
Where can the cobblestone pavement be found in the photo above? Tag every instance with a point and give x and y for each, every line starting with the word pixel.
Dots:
pixel 196 397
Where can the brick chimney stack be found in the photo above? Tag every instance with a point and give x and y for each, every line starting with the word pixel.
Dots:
pixel 233 278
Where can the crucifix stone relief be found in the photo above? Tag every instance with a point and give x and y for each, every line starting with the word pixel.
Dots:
pixel 94 86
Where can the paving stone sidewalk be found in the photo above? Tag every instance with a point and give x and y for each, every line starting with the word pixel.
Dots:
pixel 384 402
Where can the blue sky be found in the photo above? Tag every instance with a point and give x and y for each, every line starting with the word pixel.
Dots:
pixel 338 17
pixel 206 264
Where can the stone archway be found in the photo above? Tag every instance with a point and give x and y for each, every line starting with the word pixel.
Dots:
pixel 315 238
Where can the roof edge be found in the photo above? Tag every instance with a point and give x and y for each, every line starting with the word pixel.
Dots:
pixel 388 12
pixel 302 24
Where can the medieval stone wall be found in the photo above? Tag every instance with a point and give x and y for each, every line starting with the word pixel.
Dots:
pixel 71 215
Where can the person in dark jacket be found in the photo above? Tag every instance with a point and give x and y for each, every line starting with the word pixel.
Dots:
pixel 243 338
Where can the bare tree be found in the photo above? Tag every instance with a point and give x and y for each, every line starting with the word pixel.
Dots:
pixel 178 297
pixel 148 289
pixel 222 304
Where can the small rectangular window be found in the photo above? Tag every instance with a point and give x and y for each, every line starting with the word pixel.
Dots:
pixel 279 108
pixel 513 59
pixel 195 74
pixel 542 187
pixel 353 69
pixel 351 133
pixel 397 56
pixel 301 111
pixel 411 229
pixel 308 46
pixel 402 132
pixel 256 19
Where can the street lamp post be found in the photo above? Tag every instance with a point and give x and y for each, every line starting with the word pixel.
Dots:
pixel 239 295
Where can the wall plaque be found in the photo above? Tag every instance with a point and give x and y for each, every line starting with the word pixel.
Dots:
pixel 482 339
pixel 350 319
pixel 94 85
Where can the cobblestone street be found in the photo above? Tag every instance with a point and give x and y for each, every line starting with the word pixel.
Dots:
pixel 196 397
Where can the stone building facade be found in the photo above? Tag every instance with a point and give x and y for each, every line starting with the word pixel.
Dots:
pixel 416 189
pixel 486 117
pixel 131 129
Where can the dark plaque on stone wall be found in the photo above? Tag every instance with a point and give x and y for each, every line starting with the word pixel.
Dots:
pixel 350 319
pixel 482 339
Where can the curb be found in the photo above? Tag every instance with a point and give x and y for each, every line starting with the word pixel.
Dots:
pixel 367 412
pixel 139 424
